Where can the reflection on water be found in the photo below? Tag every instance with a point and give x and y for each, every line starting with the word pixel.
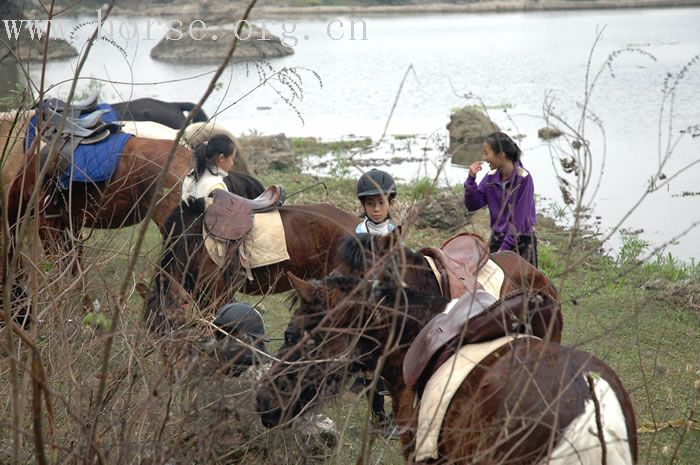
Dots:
pixel 511 60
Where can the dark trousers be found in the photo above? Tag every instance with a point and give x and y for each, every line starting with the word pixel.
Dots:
pixel 526 246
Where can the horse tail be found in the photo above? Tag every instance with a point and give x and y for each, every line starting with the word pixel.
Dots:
pixel 200 117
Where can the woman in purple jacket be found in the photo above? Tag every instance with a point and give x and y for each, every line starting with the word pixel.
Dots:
pixel 509 192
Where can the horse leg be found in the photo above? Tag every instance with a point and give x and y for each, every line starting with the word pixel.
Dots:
pixel 217 289
pixel 59 245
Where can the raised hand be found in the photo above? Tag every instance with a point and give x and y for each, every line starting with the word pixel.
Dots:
pixel 474 168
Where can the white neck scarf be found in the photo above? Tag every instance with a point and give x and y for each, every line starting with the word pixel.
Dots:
pixel 379 229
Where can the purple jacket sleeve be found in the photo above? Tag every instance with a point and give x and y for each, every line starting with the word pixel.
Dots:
pixel 523 205
pixel 474 196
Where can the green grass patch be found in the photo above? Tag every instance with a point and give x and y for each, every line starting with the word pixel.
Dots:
pixel 421 189
pixel 313 146
pixel 548 261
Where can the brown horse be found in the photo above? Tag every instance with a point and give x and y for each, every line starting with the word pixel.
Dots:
pixel 312 233
pixel 529 402
pixel 118 202
pixel 384 258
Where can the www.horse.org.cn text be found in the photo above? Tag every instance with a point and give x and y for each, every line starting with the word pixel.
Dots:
pixel 127 30
pixel 336 29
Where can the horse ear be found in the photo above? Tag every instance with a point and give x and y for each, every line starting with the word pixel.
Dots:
pixel 306 291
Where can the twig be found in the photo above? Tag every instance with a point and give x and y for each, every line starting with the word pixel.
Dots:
pixel 396 100
pixel 599 425
pixel 149 213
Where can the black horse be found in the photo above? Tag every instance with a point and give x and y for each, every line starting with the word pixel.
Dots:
pixel 149 109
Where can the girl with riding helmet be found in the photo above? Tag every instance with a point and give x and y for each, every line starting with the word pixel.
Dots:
pixel 376 191
pixel 509 192
pixel 213 160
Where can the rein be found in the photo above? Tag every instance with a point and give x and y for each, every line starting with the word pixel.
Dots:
pixel 320 183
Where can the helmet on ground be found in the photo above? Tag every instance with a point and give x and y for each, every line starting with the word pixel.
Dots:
pixel 375 182
pixel 245 323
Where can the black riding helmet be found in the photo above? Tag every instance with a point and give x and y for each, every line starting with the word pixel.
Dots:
pixel 244 322
pixel 375 182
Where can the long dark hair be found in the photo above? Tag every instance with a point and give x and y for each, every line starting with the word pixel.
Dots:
pixel 206 153
pixel 500 142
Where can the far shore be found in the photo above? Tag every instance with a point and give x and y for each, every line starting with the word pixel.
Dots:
pixel 487 7
pixel 231 10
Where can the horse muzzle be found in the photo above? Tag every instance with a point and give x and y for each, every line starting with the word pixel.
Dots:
pixel 269 416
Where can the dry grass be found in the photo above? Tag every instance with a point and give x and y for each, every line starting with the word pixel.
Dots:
pixel 165 403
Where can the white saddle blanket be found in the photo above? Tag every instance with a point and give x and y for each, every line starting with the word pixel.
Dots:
pixel 148 129
pixel 440 390
pixel 264 245
pixel 491 278
pixel 194 134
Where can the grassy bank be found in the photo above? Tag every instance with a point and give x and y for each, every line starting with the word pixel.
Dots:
pixel 642 319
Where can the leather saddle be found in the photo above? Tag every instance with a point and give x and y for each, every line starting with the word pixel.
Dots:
pixel 458 261
pixel 76 108
pixel 230 216
pixel 80 125
pixel 476 317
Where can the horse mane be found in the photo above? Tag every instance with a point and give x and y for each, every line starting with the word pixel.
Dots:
pixel 419 306
pixel 243 184
pixel 354 250
pixel 359 252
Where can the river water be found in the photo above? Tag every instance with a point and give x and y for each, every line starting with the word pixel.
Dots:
pixel 511 61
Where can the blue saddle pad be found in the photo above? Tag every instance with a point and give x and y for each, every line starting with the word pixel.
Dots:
pixel 94 162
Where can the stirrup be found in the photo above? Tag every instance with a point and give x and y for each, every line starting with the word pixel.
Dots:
pixel 45 204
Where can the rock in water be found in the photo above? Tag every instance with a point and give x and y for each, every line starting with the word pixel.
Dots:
pixel 444 212
pixel 468 127
pixel 255 44
pixel 269 152
pixel 548 133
